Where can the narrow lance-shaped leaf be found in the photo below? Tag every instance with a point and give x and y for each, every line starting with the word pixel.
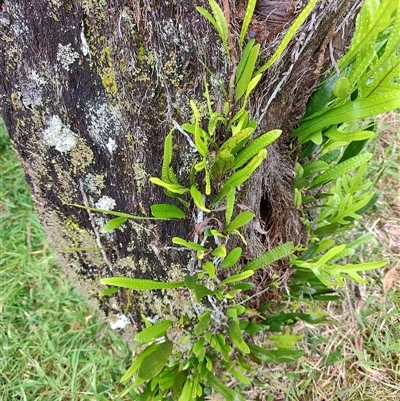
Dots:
pixel 174 188
pixel 239 221
pixel 204 321
pixel 329 255
pixel 235 334
pixel 113 224
pixel 232 257
pixel 339 169
pixel 356 110
pixel 258 144
pixel 243 60
pixel 313 167
pixel 252 85
pixel 113 213
pixel 209 268
pixel 157 330
pixel 154 363
pixel 167 211
pixel 137 361
pixel 188 244
pixel 198 199
pixel 358 267
pixel 167 158
pixel 230 204
pixel 222 24
pixel 280 252
pixel 140 284
pixel 227 393
pixel 187 391
pixel 201 146
pixel 244 81
pixel 275 355
pixel 251 4
pixel 350 136
pixel 237 138
pixel 237 277
pixel 291 32
pixel 220 251
pixel 239 177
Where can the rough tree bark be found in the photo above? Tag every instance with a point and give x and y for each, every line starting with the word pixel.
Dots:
pixel 89 90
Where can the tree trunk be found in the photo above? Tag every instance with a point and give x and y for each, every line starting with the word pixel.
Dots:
pixel 90 90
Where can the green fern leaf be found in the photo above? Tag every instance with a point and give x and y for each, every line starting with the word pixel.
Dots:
pixel 339 169
pixel 235 334
pixel 197 197
pixel 280 252
pixel 153 332
pixel 167 158
pixel 241 176
pixel 113 224
pixel 230 204
pixel 258 144
pixel 137 361
pixel 247 74
pixel 239 221
pixel 140 284
pixel 251 4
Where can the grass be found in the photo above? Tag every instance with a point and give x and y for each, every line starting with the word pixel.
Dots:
pixel 52 345
pixel 54 348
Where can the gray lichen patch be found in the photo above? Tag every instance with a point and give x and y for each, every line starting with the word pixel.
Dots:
pixel 104 122
pixel 31 93
pixel 94 183
pixel 59 135
pixel 66 55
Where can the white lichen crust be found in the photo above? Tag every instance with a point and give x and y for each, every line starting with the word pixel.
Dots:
pixel 66 55
pixel 59 135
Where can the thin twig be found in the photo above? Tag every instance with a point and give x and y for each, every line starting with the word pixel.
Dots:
pixel 96 231
pixel 182 131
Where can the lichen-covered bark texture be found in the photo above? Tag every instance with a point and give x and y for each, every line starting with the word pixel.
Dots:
pixel 90 88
